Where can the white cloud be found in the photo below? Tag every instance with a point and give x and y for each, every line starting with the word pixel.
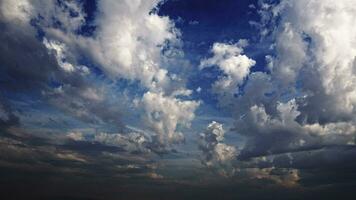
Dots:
pixel 234 65
pixel 216 154
pixel 315 46
pixel 59 51
pixel 128 43
pixel 307 97
pixel 164 113
pixel 129 40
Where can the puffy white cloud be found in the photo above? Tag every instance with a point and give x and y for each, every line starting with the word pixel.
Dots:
pixel 234 65
pixel 38 64
pixel 164 113
pixel 216 154
pixel 306 98
pixel 315 46
pixel 131 41
pixel 128 42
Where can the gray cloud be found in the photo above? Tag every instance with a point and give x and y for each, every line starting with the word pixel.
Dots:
pixel 7 116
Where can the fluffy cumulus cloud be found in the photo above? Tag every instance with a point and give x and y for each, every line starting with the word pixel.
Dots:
pixel 313 51
pixel 46 66
pixel 163 114
pixel 129 39
pixel 216 154
pixel 234 65
pixel 305 99
pixel 130 42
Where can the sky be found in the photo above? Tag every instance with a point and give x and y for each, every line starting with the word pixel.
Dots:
pixel 177 99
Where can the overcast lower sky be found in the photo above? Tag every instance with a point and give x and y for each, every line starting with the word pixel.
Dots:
pixel 177 99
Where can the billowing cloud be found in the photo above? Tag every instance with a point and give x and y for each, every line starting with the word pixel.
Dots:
pixel 48 68
pixel 131 42
pixel 128 44
pixel 300 101
pixel 216 154
pixel 162 114
pixel 234 65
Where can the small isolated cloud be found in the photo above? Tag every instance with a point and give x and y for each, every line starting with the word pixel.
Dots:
pixel 234 65
pixel 194 22
pixel 216 154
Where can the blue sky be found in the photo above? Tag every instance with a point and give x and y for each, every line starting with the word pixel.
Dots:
pixel 177 99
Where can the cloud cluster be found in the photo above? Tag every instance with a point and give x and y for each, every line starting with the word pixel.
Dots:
pixel 46 67
pixel 305 97
pixel 130 42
